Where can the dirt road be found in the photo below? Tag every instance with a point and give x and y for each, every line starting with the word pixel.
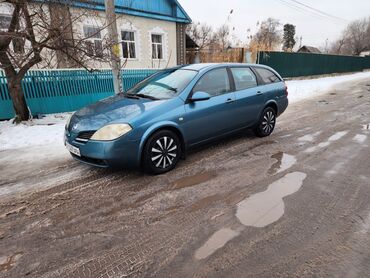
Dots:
pixel 294 204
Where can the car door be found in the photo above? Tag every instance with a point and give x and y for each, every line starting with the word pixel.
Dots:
pixel 213 117
pixel 270 84
pixel 249 98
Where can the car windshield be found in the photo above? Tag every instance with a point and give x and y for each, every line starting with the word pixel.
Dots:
pixel 163 85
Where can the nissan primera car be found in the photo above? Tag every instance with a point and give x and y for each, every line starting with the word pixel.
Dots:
pixel 153 124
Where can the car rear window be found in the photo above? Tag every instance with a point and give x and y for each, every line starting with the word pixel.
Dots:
pixel 244 78
pixel 267 75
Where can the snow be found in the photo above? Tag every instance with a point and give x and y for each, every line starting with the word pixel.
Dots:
pixel 308 88
pixel 49 130
pixel 36 132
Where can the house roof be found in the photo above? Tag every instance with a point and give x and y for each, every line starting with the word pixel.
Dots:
pixel 307 48
pixel 169 10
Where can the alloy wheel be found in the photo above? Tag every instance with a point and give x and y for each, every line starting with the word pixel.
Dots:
pixel 268 122
pixel 164 152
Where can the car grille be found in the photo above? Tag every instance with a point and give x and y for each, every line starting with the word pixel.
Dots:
pixel 84 136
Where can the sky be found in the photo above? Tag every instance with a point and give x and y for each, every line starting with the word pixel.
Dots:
pixel 316 29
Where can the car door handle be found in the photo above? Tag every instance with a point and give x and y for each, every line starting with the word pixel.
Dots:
pixel 229 100
pixel 259 92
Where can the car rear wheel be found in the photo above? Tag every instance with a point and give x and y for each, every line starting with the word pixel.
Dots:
pixel 162 151
pixel 266 123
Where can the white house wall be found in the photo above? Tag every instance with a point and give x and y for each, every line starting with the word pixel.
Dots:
pixel 142 27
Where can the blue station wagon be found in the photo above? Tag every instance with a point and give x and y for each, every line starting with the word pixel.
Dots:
pixel 153 124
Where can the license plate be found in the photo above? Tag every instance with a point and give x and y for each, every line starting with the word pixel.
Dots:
pixel 73 149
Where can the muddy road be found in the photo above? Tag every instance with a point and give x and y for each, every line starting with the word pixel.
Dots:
pixel 294 204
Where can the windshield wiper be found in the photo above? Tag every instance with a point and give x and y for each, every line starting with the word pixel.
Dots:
pixel 165 86
pixel 146 96
pixel 131 96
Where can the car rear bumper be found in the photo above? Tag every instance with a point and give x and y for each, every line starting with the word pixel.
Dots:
pixel 120 153
pixel 282 105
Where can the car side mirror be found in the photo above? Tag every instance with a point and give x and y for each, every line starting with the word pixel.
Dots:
pixel 199 96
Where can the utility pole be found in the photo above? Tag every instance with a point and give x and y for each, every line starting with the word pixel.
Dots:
pixel 110 14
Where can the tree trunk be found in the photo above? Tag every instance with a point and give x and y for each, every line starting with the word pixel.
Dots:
pixel 19 101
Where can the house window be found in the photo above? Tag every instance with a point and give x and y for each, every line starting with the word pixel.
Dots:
pixel 93 42
pixel 17 43
pixel 157 47
pixel 128 44
pixel 5 22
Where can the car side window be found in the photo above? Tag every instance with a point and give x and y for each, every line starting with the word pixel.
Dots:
pixel 244 78
pixel 267 76
pixel 215 82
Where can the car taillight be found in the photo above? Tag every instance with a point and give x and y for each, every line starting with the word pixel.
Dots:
pixel 286 89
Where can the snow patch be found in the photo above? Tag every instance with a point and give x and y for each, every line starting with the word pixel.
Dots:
pixel 304 89
pixel 36 132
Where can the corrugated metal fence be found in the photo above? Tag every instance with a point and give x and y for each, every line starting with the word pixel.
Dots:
pixel 304 64
pixel 54 91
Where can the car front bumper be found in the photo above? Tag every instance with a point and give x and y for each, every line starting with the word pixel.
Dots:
pixel 119 153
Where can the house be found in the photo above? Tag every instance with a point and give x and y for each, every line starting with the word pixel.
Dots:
pixel 308 49
pixel 151 32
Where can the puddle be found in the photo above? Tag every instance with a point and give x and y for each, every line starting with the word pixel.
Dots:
pixel 258 210
pixel 284 162
pixel 215 242
pixel 336 136
pixel 366 127
pixel 264 208
pixel 193 180
pixel 360 138
pixel 7 263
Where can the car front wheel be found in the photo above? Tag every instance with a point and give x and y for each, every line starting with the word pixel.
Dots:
pixel 162 151
pixel 266 123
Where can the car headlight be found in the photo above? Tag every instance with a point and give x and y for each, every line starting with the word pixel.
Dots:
pixel 111 132
pixel 69 120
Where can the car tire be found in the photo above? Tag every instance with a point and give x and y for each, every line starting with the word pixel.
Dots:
pixel 162 152
pixel 266 123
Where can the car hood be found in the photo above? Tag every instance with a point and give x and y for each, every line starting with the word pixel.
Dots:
pixel 116 109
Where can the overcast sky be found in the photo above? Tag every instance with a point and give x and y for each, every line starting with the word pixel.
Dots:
pixel 315 29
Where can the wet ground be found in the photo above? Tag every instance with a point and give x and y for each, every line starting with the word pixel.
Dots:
pixel 295 204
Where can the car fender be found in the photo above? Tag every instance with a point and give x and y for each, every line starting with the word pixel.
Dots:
pixel 157 126
pixel 269 102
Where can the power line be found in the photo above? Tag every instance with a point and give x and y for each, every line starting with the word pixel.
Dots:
pixel 308 11
pixel 294 7
pixel 319 11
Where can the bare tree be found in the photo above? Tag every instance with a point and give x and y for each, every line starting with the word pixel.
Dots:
pixel 201 33
pixel 222 37
pixel 38 33
pixel 354 39
pixel 357 35
pixel 268 36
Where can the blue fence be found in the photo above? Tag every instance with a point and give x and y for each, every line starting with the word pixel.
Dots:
pixel 54 91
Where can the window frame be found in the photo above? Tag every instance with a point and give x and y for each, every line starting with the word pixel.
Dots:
pixel 231 83
pixel 15 42
pixel 6 15
pixel 156 44
pixel 92 40
pixel 128 43
pixel 243 67
pixel 259 77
